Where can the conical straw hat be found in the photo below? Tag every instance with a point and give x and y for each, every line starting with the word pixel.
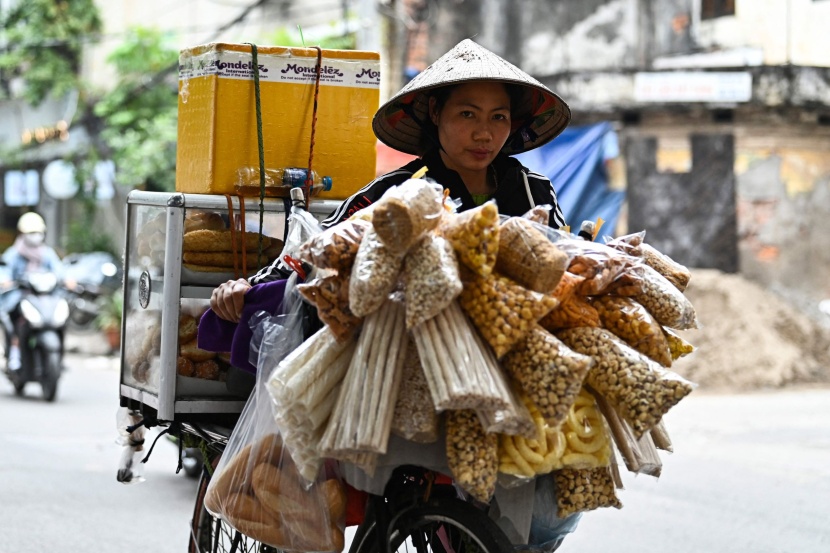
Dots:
pixel 541 116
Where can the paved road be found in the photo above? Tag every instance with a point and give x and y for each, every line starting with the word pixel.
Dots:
pixel 750 473
pixel 57 473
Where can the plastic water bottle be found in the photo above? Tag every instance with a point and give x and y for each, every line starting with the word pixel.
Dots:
pixel 296 177
pixel 285 178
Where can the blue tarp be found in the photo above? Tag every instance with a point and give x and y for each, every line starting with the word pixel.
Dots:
pixel 575 164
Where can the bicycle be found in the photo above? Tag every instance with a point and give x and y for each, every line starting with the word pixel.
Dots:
pixel 418 511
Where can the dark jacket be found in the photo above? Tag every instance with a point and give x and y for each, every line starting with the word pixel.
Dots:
pixel 511 192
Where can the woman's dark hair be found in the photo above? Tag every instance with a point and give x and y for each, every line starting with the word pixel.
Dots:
pixel 429 137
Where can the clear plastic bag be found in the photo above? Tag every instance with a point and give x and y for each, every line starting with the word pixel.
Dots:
pixel 673 271
pixel 431 279
pixel 374 275
pixel 415 418
pixel 580 441
pixel 639 455
pixel 405 212
pixel 677 345
pixel 580 490
pixel 330 295
pixel 503 311
pixel 639 389
pixel 336 247
pixel 302 226
pixel 257 487
pixel 632 323
pixel 549 373
pixel 474 234
pixel 514 420
pixel 573 312
pixel 472 454
pixel 547 531
pixel 305 386
pixel 528 257
pixel 461 371
pixel 664 301
pixel 600 266
pixel 539 214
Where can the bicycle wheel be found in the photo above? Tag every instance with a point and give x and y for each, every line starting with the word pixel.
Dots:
pixel 440 526
pixel 209 534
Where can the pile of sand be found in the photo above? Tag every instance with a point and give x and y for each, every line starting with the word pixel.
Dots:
pixel 750 337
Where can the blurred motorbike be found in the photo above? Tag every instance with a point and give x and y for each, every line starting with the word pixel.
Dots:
pixel 89 278
pixel 39 322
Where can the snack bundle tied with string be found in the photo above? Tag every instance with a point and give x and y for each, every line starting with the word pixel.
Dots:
pixel 487 318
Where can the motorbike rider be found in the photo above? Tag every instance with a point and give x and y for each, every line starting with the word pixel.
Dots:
pixel 29 253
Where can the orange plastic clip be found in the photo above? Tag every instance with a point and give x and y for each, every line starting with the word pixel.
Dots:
pixel 295 265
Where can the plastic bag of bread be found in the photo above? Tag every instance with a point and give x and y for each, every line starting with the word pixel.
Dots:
pixel 527 256
pixel 330 295
pixel 502 310
pixel 305 386
pixel 431 280
pixel 673 271
pixel 256 486
pixel 474 234
pixel 632 322
pixel 405 212
pixel 336 247
pixel 639 389
pixel 374 275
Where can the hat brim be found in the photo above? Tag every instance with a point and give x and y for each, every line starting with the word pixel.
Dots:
pixel 539 118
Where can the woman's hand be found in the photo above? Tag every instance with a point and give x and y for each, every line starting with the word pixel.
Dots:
pixel 228 299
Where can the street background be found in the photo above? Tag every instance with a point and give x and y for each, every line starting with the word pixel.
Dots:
pixel 750 472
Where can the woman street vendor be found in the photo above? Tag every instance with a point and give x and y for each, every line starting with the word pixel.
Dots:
pixel 463 116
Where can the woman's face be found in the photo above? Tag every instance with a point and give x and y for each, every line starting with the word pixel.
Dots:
pixel 473 124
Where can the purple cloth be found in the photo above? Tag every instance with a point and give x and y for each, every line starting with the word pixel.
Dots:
pixel 219 335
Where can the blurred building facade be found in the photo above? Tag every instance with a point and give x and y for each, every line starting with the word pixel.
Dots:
pixel 722 108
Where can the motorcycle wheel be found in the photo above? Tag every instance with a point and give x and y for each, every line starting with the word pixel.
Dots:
pixel 51 372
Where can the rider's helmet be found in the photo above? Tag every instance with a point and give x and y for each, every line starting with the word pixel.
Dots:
pixel 31 222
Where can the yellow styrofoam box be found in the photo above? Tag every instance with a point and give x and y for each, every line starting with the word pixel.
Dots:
pixel 217 131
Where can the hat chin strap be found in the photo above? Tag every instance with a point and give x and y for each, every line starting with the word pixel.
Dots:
pixel 523 135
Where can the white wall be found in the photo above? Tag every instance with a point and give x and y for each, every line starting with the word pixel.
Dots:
pixel 582 49
pixel 794 31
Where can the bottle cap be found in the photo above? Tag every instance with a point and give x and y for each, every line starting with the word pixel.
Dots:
pixel 326 183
